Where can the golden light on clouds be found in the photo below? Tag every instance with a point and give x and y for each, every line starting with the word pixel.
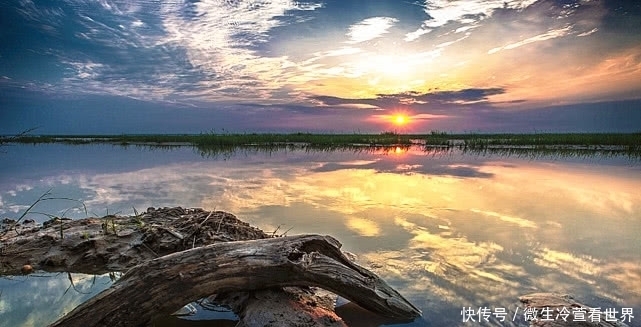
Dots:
pixel 363 227
pixel 277 59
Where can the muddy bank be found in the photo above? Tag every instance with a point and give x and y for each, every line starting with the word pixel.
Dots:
pixel 114 243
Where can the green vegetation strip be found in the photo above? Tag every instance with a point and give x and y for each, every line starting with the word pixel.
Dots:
pixel 629 141
pixel 225 140
pixel 578 139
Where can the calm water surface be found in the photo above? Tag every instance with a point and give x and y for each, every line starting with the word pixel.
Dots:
pixel 447 230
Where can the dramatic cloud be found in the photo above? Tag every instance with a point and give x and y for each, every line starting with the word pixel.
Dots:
pixel 387 101
pixel 369 29
pixel 218 38
pixel 229 58
pixel 541 37
pixel 466 12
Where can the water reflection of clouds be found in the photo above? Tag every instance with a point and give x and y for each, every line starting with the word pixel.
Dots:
pixel 621 276
pixel 391 166
pixel 362 226
pixel 457 260
pixel 37 300
pixel 468 231
pixel 520 222
pixel 169 185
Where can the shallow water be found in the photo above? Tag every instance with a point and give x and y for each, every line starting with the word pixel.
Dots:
pixel 448 230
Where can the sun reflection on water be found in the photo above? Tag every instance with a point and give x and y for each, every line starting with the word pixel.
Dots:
pixel 447 231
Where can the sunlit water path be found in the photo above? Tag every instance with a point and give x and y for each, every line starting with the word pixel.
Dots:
pixel 448 230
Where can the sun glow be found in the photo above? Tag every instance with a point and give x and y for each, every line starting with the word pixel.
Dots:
pixel 400 119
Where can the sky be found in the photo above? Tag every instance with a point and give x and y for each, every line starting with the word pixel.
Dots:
pixel 120 66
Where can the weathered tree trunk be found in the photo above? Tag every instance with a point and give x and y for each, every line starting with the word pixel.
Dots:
pixel 164 280
pixel 552 308
pixel 165 284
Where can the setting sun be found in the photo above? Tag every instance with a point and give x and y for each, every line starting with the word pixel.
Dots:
pixel 400 119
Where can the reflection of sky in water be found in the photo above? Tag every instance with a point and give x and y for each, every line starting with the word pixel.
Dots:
pixel 447 230
pixel 38 299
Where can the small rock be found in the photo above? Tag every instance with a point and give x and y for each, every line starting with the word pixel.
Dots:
pixel 27 269
pixel 187 310
pixel 7 221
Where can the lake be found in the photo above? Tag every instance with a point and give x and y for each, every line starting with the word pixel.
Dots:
pixel 447 229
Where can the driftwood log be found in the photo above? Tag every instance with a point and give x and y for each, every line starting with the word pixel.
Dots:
pixel 165 284
pixel 174 262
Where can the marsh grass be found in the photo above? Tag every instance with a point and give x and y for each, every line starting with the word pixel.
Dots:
pixel 227 145
pixel 46 196
pixel 227 152
pixel 14 138
pixel 222 140
pixel 385 138
pixel 534 153
pixel 584 140
pixel 539 139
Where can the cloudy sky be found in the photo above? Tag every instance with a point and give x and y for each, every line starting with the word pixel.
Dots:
pixel 119 66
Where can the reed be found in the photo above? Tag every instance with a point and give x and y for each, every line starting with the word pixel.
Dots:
pixel 629 141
